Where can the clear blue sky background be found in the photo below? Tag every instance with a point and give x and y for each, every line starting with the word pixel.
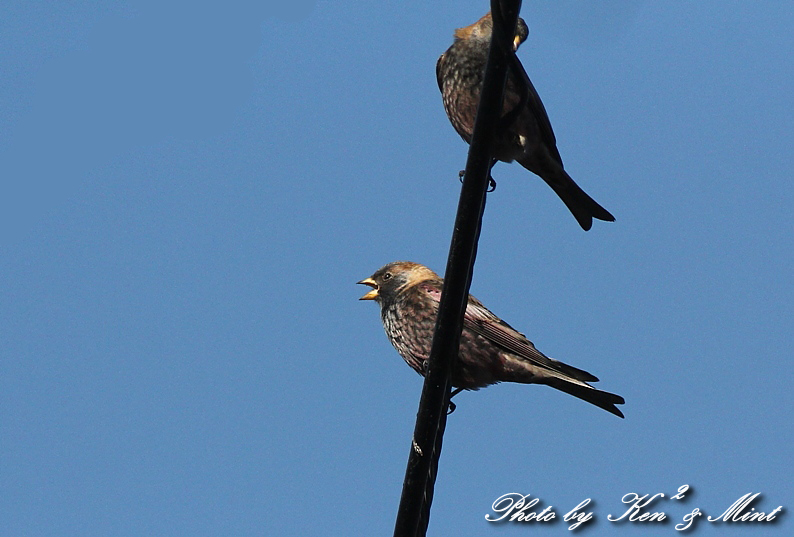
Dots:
pixel 190 192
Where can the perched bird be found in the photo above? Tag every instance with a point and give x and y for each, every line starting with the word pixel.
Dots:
pixel 527 136
pixel 491 350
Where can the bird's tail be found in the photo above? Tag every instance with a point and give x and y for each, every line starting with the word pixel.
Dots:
pixel 561 376
pixel 604 400
pixel 583 207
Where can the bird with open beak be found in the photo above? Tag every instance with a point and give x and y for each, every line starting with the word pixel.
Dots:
pixel 490 351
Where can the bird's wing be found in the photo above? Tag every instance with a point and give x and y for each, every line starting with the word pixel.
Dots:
pixel 439 79
pixel 534 105
pixel 481 321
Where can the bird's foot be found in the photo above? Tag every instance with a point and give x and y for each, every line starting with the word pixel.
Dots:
pixel 491 182
pixel 453 406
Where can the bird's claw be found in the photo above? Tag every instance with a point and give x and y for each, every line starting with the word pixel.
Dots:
pixel 453 406
pixel 491 182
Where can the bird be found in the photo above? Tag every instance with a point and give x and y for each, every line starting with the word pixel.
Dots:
pixel 525 134
pixel 491 350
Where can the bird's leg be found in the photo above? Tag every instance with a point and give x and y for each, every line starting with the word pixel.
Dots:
pixel 453 406
pixel 491 182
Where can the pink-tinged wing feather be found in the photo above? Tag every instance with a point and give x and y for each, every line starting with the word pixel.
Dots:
pixel 482 321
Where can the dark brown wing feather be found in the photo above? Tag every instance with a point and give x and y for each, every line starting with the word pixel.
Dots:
pixel 439 79
pixel 481 320
pixel 533 106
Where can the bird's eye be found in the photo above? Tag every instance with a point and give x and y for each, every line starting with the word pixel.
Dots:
pixel 387 276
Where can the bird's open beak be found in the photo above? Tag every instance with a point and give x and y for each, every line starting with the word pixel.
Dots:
pixel 516 42
pixel 372 295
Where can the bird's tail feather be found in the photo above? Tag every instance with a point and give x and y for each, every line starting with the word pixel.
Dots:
pixel 601 399
pixel 582 206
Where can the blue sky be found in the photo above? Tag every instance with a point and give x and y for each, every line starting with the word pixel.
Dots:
pixel 189 194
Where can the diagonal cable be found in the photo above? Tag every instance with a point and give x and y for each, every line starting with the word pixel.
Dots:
pixel 414 511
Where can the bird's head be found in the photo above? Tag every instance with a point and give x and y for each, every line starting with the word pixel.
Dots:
pixel 393 278
pixel 483 28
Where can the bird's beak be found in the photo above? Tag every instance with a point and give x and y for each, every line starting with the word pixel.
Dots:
pixel 372 295
pixel 516 42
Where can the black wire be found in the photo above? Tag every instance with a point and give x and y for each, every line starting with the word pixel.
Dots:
pixel 413 513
